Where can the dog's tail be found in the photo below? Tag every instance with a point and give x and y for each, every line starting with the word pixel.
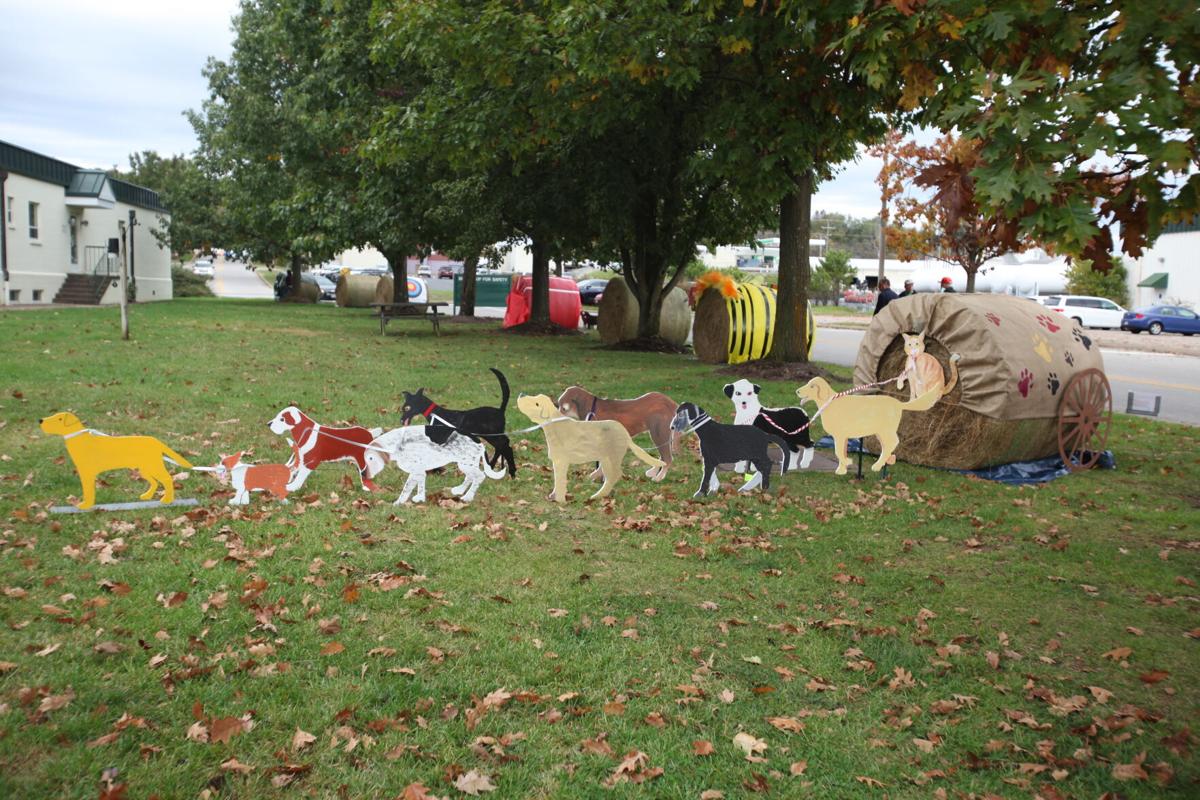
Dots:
pixel 644 456
pixel 488 468
pixel 923 402
pixel 504 391
pixel 785 448
pixel 175 458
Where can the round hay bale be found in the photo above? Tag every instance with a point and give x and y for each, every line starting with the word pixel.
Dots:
pixel 307 293
pixel 619 311
pixel 710 330
pixel 356 291
pixel 1004 407
pixel 731 330
pixel 384 290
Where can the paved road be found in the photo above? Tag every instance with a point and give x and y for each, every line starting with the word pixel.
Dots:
pixel 232 279
pixel 1175 378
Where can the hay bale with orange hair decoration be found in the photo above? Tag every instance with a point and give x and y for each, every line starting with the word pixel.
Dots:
pixel 735 322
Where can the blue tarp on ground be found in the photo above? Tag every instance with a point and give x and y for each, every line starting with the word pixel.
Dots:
pixel 1042 470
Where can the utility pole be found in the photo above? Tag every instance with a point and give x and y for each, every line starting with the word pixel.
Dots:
pixel 883 219
pixel 123 288
pixel 132 265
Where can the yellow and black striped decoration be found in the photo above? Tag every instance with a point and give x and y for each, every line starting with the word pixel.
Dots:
pixel 752 323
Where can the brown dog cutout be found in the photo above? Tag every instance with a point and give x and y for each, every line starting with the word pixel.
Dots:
pixel 570 441
pixel 651 413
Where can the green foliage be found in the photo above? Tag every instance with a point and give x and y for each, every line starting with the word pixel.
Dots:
pixel 193 198
pixel 832 275
pixel 1077 106
pixel 185 283
pixel 1113 284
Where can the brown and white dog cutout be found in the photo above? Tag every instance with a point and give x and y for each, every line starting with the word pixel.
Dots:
pixel 247 478
pixel 315 444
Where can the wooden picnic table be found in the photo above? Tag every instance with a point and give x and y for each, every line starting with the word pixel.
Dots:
pixel 390 311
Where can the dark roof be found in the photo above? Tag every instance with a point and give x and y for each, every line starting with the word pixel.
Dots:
pixel 1183 227
pixel 77 182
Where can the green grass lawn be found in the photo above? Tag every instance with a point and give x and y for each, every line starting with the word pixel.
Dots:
pixel 927 635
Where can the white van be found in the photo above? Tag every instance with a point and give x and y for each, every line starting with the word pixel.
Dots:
pixel 1089 312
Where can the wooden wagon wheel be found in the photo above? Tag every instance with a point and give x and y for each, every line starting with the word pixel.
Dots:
pixel 1084 418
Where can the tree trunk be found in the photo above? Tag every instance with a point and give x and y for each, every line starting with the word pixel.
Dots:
pixel 971 270
pixel 791 303
pixel 466 304
pixel 650 306
pixel 398 262
pixel 296 268
pixel 539 305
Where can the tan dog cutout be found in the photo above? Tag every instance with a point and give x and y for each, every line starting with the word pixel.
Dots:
pixel 851 416
pixel 570 441
pixel 93 453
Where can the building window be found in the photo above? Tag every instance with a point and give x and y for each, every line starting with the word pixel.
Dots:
pixel 8 209
pixel 33 220
pixel 37 295
pixel 14 295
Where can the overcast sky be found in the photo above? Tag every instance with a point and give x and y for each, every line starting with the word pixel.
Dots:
pixel 91 82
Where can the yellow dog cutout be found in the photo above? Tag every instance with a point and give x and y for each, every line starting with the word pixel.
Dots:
pixel 850 416
pixel 93 453
pixel 571 441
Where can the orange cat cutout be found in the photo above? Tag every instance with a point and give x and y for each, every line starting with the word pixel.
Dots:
pixel 922 371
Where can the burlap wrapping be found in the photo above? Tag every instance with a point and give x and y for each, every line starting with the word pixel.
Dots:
pixel 1016 357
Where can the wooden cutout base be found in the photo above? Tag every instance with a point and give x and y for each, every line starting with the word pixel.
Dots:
pixel 135 506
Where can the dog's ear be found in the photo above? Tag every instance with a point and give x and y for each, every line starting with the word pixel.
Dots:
pixel 757 388
pixel 728 391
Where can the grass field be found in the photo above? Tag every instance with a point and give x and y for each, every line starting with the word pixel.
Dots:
pixel 927 635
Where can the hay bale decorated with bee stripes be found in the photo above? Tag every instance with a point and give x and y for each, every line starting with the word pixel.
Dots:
pixel 619 314
pixel 736 323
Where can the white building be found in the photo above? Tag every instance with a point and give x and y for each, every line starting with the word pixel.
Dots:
pixel 1168 272
pixel 66 233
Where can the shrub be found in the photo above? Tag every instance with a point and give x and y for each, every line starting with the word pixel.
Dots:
pixel 188 284
pixel 1113 285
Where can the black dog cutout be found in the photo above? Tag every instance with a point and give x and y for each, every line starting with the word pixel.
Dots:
pixel 484 423
pixel 726 444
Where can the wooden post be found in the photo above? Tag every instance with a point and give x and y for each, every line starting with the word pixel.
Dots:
pixel 123 288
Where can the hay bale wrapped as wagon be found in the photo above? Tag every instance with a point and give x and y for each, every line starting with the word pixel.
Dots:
pixel 356 291
pixel 384 290
pixel 736 323
pixel 1016 361
pixel 619 314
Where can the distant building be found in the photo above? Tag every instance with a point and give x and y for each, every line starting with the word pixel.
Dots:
pixel 1168 272
pixel 66 232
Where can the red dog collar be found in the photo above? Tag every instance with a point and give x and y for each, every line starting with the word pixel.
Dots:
pixel 429 410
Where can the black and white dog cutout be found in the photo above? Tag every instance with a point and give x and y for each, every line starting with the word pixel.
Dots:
pixel 415 453
pixel 729 444
pixel 789 424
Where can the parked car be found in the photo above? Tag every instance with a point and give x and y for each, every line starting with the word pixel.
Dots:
pixel 449 270
pixel 590 290
pixel 1088 312
pixel 203 266
pixel 1162 319
pixel 424 271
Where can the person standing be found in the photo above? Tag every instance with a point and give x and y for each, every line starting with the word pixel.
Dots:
pixel 886 295
pixel 908 289
pixel 947 285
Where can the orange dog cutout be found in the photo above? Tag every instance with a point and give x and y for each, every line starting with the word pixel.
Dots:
pixel 94 453
pixel 247 478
